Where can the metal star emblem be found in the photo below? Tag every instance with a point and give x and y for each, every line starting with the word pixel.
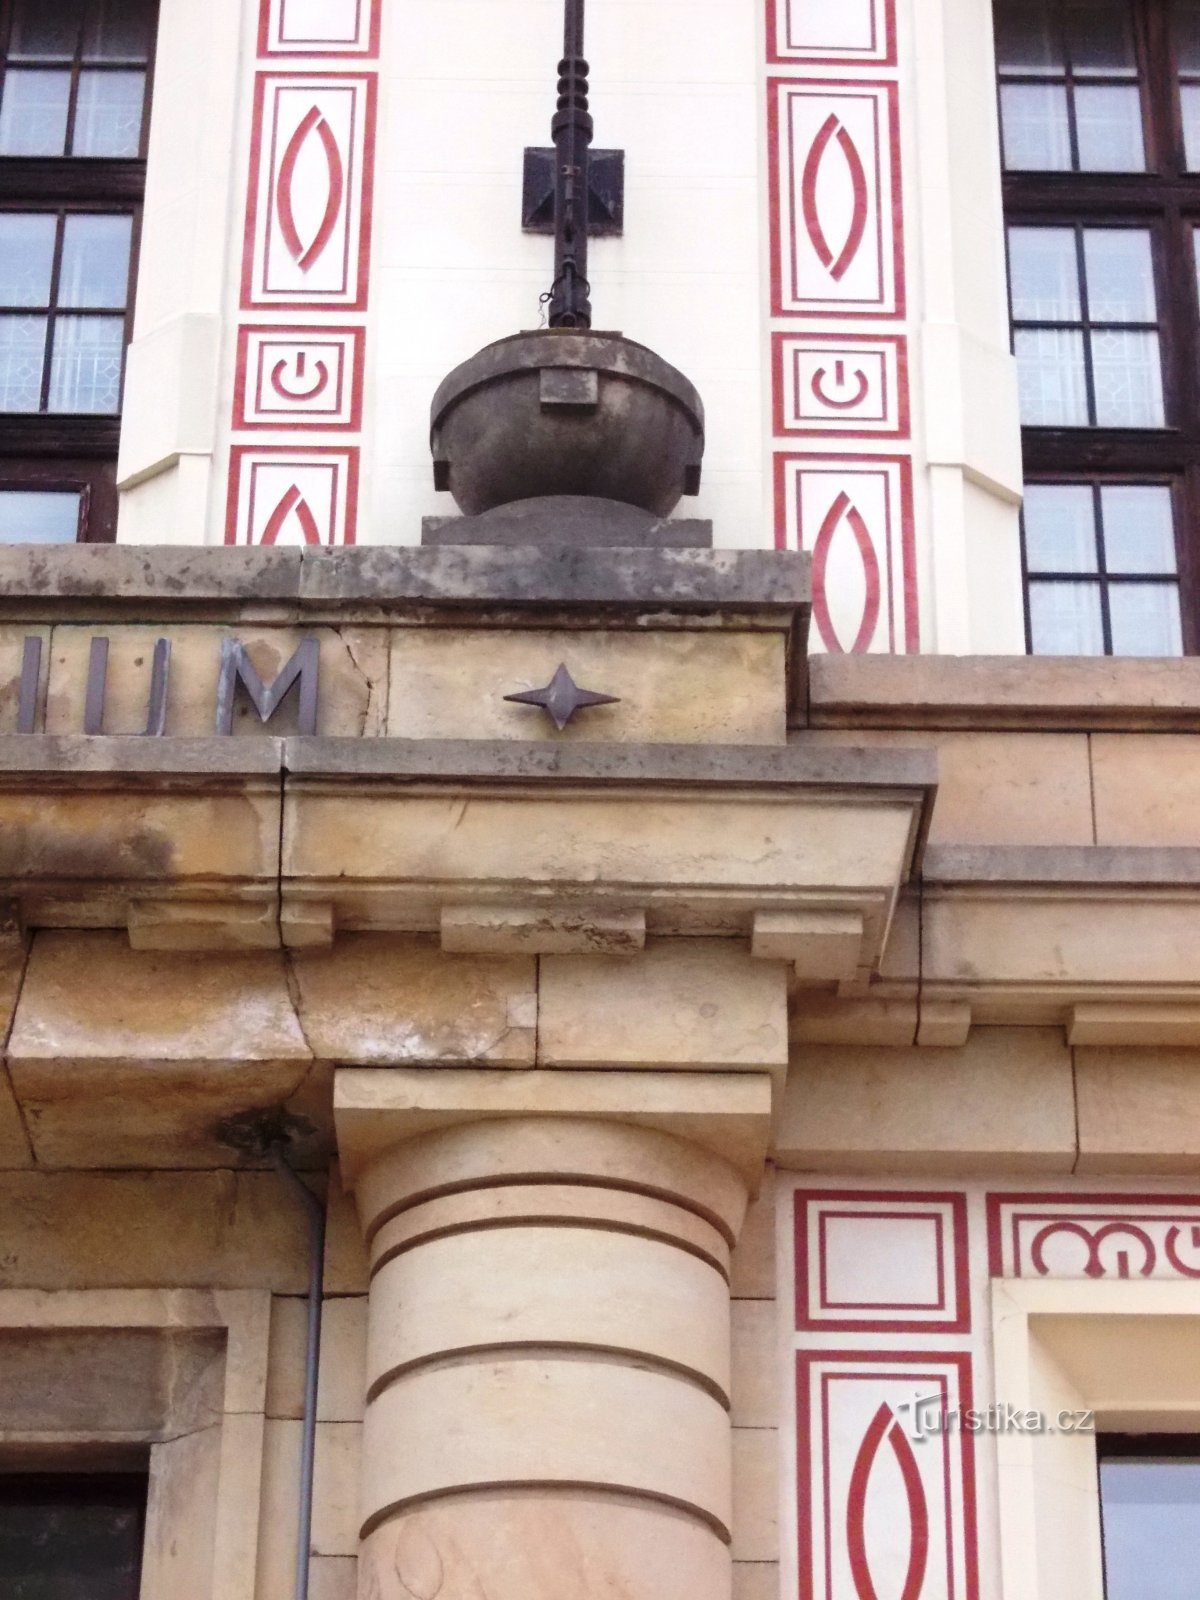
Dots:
pixel 562 698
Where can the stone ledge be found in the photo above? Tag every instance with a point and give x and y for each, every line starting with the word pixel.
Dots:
pixel 1023 692
pixel 1083 865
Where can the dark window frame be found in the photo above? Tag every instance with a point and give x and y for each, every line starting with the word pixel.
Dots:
pixel 1166 201
pixel 120 1490
pixel 76 451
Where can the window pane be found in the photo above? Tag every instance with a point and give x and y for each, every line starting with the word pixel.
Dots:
pixel 1120 275
pixel 1060 527
pixel 1100 37
pixel 1033 118
pixel 54 1549
pixel 1128 379
pixel 22 359
pixel 95 261
pixel 33 113
pixel 1187 34
pixel 1139 528
pixel 1025 38
pixel 108 114
pixel 1150 1514
pixel 1108 126
pixel 39 516
pixel 50 32
pixel 119 30
pixel 1050 378
pixel 1064 619
pixel 1144 621
pixel 1190 95
pixel 1044 275
pixel 26 258
pixel 85 364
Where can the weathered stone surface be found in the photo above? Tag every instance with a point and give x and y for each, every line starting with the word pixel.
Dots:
pixel 335 1500
pixel 121 1058
pixel 1005 1100
pixel 1147 789
pixel 544 1544
pixel 688 1003
pixel 753 1265
pixel 755 1494
pixel 755 1393
pixel 73 1230
pixel 1139 1110
pixel 384 999
pixel 546 930
pixel 996 787
pixel 756 1580
pixel 353 678
pixel 12 652
pixel 673 688
pixel 347 1270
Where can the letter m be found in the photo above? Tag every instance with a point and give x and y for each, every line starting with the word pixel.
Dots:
pixel 237 667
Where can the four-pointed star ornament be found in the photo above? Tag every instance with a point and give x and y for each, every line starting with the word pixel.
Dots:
pixel 562 698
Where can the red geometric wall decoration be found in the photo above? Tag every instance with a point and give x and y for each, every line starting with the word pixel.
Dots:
pixel 837 234
pixel 854 516
pixel 1094 1236
pixel 281 495
pixel 319 28
pixel 841 385
pixel 813 33
pixel 887 1506
pixel 289 378
pixel 881 1261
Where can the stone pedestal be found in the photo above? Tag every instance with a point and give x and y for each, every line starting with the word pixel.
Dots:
pixel 548 1369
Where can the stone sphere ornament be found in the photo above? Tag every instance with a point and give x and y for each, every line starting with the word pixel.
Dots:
pixel 567 411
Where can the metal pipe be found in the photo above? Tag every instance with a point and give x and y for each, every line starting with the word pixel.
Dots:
pixel 312 1360
pixel 571 130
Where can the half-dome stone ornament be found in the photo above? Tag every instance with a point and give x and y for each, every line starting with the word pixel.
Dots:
pixel 564 411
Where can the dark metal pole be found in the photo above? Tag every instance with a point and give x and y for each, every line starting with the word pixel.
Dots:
pixel 571 131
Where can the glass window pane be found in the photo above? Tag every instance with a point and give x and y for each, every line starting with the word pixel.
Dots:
pixel 1100 37
pixel 1190 95
pixel 1150 1511
pixel 1064 619
pixel 1108 126
pixel 85 364
pixel 1139 527
pixel 26 258
pixel 108 114
pixel 1144 621
pixel 119 30
pixel 1033 119
pixel 33 113
pixel 1120 275
pixel 49 32
pixel 1127 375
pixel 95 261
pixel 53 1548
pixel 1060 527
pixel 39 516
pixel 1050 378
pixel 1186 14
pixel 1026 39
pixel 22 360
pixel 1044 275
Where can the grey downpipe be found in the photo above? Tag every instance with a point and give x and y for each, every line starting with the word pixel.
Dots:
pixel 312 1361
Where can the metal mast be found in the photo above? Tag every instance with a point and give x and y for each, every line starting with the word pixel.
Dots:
pixel 571 131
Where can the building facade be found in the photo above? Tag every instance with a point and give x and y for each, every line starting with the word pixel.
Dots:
pixel 594 1055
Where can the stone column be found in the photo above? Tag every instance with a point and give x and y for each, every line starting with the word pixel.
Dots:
pixel 548 1367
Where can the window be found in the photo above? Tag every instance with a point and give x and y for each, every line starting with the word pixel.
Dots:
pixel 74 97
pixel 1150 1515
pixel 71 1538
pixel 1100 135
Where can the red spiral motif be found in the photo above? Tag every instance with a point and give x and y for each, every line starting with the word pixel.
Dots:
pixel 830 129
pixel 841 510
pixel 305 255
pixel 884 1426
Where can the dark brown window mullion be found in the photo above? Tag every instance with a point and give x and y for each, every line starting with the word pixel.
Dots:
pixel 51 310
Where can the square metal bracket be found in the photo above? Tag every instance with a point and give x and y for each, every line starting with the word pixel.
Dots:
pixel 606 193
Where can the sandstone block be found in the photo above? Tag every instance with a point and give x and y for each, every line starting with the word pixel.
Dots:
pixel 673 688
pixel 1147 788
pixel 548 930
pixel 756 1364
pixel 688 1003
pixel 755 1494
pixel 384 999
pixel 823 946
pixel 756 1580
pixel 1139 1110
pixel 753 1263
